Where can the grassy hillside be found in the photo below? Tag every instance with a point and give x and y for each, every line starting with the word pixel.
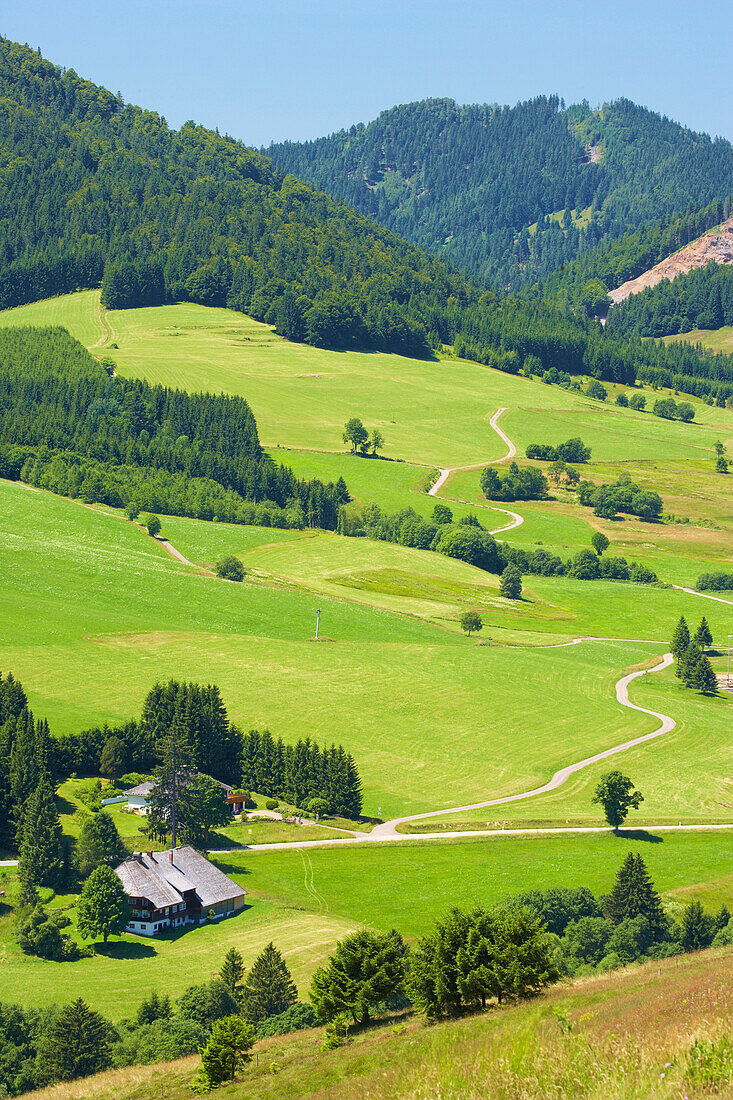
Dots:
pixel 617 1037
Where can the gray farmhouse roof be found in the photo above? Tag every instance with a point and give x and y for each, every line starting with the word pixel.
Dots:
pixel 146 787
pixel 163 881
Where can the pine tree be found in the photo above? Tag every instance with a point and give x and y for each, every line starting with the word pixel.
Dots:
pixel 680 638
pixel 103 908
pixel 633 895
pixel 698 928
pixel 75 1045
pixel 42 852
pixel 232 974
pixel 697 672
pixel 227 1049
pixel 99 843
pixel 269 988
pixel 703 638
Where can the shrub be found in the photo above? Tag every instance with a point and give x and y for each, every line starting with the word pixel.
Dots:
pixel 271 804
pixel 472 545
pixel 715 582
pixel 596 390
pixel 295 1018
pixel 230 569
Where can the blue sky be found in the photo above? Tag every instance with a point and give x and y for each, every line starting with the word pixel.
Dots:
pixel 273 69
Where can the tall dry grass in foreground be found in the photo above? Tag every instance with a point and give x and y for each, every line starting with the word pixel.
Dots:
pixel 663 1031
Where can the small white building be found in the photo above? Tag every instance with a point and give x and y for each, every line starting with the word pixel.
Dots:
pixel 176 887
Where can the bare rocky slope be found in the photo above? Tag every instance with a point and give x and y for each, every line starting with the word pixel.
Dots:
pixel 714 246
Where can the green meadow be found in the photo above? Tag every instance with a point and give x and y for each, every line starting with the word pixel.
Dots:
pixel 305 900
pixel 97 612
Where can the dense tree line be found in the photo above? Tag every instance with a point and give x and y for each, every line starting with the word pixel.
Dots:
pixel 301 772
pixel 513 483
pixel 715 582
pixel 65 1042
pixel 702 298
pixel 70 427
pixel 478 183
pixel 623 495
pixel 469 541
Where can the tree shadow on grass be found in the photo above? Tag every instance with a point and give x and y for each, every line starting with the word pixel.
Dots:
pixel 230 868
pixel 123 950
pixel 64 806
pixel 641 834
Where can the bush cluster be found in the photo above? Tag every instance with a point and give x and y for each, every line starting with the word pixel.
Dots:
pixel 573 450
pixel 622 495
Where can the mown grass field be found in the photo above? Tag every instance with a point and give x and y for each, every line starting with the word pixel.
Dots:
pixel 97 612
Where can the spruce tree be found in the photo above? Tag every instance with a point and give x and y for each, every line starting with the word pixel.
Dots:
pixel 76 1044
pixel 697 672
pixel 227 1050
pixel 680 638
pixel 269 988
pixel 633 895
pixel 42 852
pixel 24 771
pixel 703 638
pixel 698 928
pixel 103 908
pixel 232 973
pixel 99 843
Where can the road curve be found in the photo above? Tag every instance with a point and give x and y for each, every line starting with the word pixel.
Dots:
pixel 445 472
pixel 702 595
pixel 389 828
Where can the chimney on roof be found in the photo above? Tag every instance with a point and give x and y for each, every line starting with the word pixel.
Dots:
pixel 149 855
pixel 170 856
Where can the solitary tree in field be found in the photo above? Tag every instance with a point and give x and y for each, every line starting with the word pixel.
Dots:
pixel 132 510
pixel 153 525
pixel 510 585
pixel 599 542
pixel 227 1050
pixel 616 794
pixel 355 433
pixel 377 441
pixel 471 622
pixel 230 568
pixel 703 637
pixel 103 908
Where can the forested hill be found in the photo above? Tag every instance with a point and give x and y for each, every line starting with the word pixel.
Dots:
pixel 478 183
pixel 98 191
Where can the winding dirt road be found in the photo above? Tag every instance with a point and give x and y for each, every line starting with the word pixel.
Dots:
pixel 387 831
pixel 445 472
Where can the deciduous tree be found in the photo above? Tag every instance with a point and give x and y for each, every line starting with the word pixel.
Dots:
pixel 471 622
pixel 615 792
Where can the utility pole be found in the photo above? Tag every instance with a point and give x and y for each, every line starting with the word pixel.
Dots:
pixel 318 621
pixel 729 638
